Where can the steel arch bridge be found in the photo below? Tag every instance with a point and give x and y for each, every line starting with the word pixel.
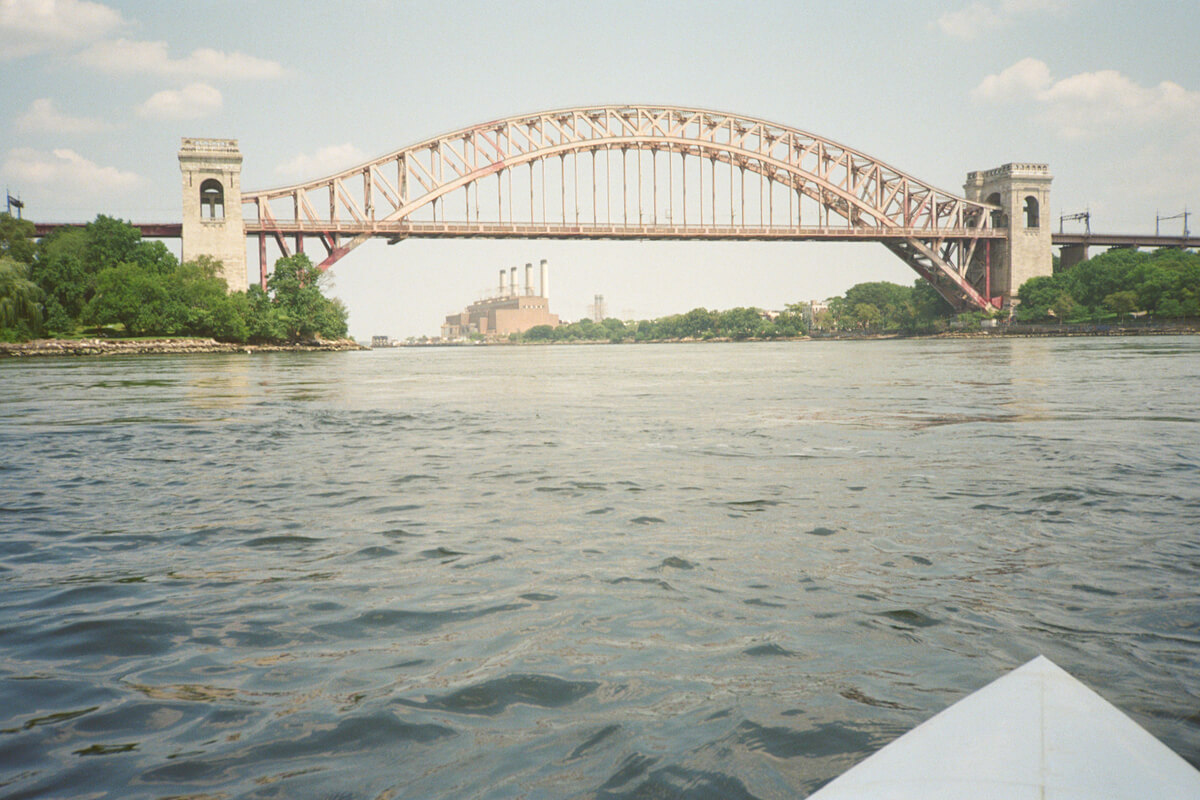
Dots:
pixel 637 172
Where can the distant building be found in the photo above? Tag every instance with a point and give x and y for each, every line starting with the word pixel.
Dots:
pixel 510 311
pixel 810 310
pixel 599 312
pixel 380 341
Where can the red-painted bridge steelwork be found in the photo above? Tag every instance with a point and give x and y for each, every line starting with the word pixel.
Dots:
pixel 149 230
pixel 636 172
pixel 688 180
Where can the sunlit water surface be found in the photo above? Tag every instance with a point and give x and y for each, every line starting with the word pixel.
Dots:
pixel 694 571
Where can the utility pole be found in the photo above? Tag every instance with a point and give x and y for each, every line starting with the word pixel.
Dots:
pixel 1184 216
pixel 13 202
pixel 1085 216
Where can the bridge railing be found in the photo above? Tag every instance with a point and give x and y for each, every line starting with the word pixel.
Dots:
pixel 417 229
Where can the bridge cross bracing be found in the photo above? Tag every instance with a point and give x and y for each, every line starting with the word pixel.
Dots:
pixel 637 172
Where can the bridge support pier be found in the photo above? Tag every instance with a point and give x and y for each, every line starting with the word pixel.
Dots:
pixel 1022 193
pixel 1070 255
pixel 212 206
pixel 262 261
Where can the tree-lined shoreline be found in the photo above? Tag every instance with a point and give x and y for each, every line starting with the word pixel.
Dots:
pixel 91 290
pixel 104 280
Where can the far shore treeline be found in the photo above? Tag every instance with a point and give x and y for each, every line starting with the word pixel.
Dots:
pixel 1118 284
pixel 866 307
pixel 1113 287
pixel 104 278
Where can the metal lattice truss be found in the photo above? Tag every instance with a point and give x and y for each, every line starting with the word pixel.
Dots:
pixel 688 182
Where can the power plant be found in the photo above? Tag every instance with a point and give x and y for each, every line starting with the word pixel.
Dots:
pixel 511 310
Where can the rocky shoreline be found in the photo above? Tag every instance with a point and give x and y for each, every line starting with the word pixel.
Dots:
pixel 120 347
pixel 128 347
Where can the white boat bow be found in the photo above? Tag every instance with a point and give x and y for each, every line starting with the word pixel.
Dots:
pixel 1034 734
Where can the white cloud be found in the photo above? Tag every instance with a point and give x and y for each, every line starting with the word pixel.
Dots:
pixel 44 117
pixel 1034 6
pixel 969 22
pixel 128 57
pixel 1090 102
pixel 980 18
pixel 1024 79
pixel 66 171
pixel 193 101
pixel 34 26
pixel 325 161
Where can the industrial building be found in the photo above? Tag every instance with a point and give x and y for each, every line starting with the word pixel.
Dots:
pixel 512 310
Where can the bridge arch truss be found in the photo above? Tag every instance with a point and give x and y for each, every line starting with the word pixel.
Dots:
pixel 637 172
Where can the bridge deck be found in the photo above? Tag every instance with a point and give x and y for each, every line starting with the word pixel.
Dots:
pixel 1123 240
pixel 150 230
pixel 491 230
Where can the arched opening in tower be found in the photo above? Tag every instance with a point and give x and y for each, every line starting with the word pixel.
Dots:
pixel 1031 212
pixel 212 199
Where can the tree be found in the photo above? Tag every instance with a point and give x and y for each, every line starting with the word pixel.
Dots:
pixel 1165 282
pixel 617 331
pixel 133 296
pixel 199 301
pixel 263 322
pixel 647 330
pixel 695 324
pixel 332 318
pixel 740 323
pixel 888 299
pixel 788 324
pixel 230 319
pixel 1063 305
pixel 1089 282
pixel 867 314
pixel 16 238
pixel 190 299
pixel 67 262
pixel 104 273
pixel 303 311
pixel 1038 295
pixel 539 333
pixel 109 242
pixel 293 287
pixel 20 301
pixel 929 303
pixel 60 270
pixel 1125 302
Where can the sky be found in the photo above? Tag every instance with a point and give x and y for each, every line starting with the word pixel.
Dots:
pixel 95 98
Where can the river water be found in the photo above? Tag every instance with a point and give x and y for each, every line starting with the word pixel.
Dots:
pixel 677 571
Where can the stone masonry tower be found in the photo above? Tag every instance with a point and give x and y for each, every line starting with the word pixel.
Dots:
pixel 1023 193
pixel 212 206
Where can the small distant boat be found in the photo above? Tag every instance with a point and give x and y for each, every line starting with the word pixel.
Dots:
pixel 1033 734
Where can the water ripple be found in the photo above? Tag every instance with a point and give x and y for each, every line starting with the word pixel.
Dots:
pixel 711 571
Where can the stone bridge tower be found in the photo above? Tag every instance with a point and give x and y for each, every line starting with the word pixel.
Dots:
pixel 1023 193
pixel 212 206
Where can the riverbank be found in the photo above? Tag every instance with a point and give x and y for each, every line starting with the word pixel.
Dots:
pixel 126 347
pixel 109 347
pixel 1052 331
pixel 1020 331
pixel 1023 331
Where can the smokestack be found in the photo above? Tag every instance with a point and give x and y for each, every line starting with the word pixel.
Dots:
pixel 512 288
pixel 528 278
pixel 545 280
pixel 503 272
